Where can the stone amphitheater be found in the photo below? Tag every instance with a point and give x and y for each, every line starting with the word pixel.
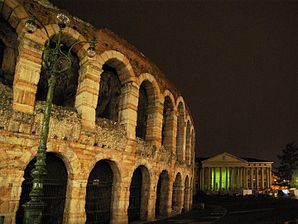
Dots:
pixel 121 141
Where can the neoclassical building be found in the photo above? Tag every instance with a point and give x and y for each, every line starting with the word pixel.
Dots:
pixel 225 173
pixel 121 138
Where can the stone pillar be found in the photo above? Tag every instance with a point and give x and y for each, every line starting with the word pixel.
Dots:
pixel 257 179
pixel 246 177
pixel 27 73
pixel 227 180
pixel 152 199
pixel 208 179
pixel 252 178
pixel 154 124
pixel 240 178
pixel 232 179
pixel 214 179
pixel 270 178
pixel 203 170
pixel 87 92
pixel 128 108
pixel 220 179
pixel 10 188
pixel 74 212
pixel 262 178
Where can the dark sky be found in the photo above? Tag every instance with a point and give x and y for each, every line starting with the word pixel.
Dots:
pixel 236 64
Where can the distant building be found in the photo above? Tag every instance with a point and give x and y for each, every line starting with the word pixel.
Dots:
pixel 227 174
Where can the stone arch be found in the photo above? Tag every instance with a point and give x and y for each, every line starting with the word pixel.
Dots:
pixel 177 194
pixel 186 194
pixel 55 187
pixel 29 60
pixel 116 72
pixel 180 135
pixel 168 123
pixel 13 12
pixel 148 119
pixel 139 195
pixel 129 90
pixel 102 192
pixel 188 149
pixel 162 195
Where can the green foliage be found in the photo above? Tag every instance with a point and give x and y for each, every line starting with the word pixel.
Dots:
pixel 288 162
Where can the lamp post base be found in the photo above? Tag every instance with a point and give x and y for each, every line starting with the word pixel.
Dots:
pixel 33 212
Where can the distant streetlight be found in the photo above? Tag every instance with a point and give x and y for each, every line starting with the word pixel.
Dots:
pixel 55 61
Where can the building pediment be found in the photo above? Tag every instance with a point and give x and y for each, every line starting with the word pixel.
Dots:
pixel 224 158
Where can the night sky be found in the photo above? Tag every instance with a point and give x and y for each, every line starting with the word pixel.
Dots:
pixel 236 64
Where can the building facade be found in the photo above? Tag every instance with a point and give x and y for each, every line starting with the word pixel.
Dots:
pixel 227 174
pixel 121 139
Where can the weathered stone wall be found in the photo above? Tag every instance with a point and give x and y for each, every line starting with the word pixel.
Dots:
pixel 80 138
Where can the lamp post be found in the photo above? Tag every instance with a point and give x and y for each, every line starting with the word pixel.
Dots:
pixel 55 62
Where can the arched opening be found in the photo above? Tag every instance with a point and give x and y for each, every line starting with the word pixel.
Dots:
pixel 186 194
pixel 8 52
pixel 109 94
pixel 142 112
pixel 177 194
pixel 54 190
pixel 188 144
pixel 180 133
pixel 162 195
pixel 66 84
pixel 139 195
pixel 167 123
pixel 99 193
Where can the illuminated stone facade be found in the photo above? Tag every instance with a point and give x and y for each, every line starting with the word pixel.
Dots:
pixel 227 174
pixel 121 140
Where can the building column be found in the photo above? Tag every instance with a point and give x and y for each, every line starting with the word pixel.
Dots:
pixel 257 179
pixel 214 178
pixel 227 180
pixel 270 178
pixel 207 178
pixel 232 178
pixel 252 178
pixel 262 178
pixel 246 177
pixel 220 179
pixel 240 178
pixel 202 172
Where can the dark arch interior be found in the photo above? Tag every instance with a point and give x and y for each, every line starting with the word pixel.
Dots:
pixel 66 85
pixel 8 52
pixel 109 94
pixel 162 195
pixel 134 209
pixel 99 193
pixel 176 196
pixel 142 112
pixel 55 184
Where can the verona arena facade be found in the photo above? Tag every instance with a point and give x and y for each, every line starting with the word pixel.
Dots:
pixel 121 141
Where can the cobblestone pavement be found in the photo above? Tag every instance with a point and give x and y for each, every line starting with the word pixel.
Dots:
pixel 208 215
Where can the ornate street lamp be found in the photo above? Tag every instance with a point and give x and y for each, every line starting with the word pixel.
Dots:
pixel 55 62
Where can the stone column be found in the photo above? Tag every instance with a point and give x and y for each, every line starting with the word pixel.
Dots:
pixel 252 178
pixel 227 180
pixel 232 179
pixel 220 179
pixel 214 179
pixel 246 177
pixel 262 178
pixel 203 170
pixel 208 179
pixel 74 212
pixel 257 179
pixel 270 179
pixel 128 108
pixel 240 178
